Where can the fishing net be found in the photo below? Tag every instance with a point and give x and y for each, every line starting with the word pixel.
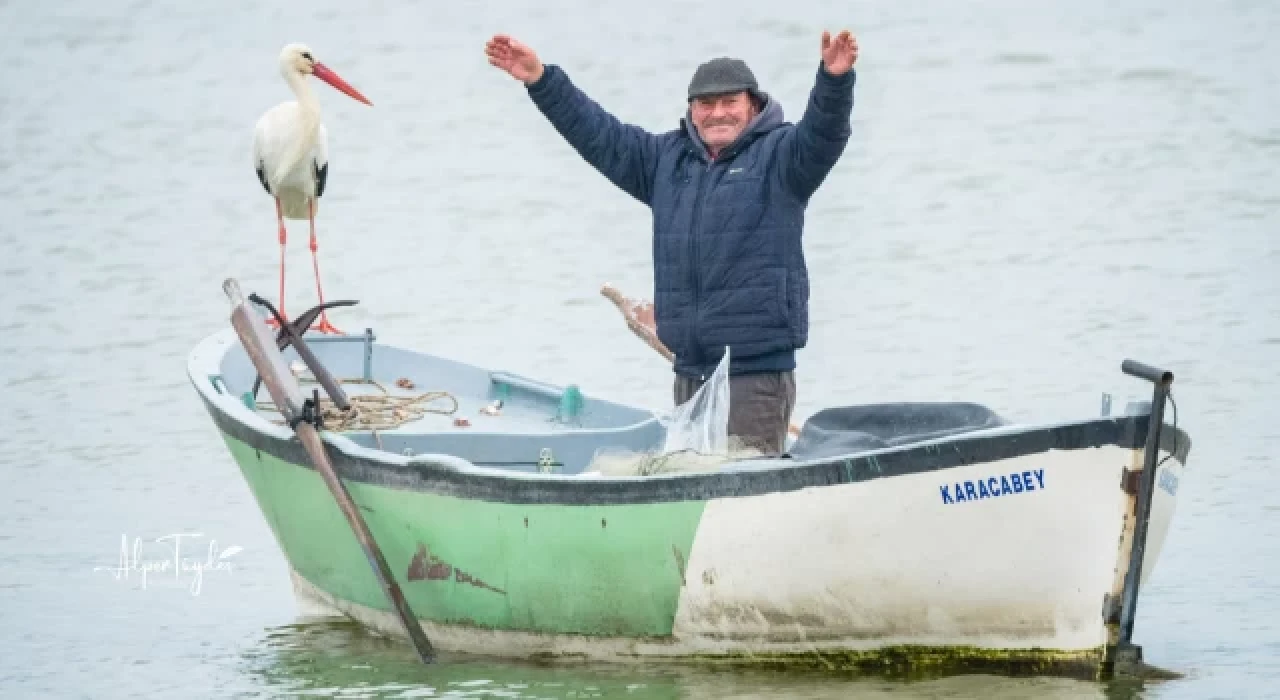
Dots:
pixel 621 462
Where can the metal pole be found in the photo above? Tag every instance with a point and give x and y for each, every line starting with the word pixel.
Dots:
pixel 1161 380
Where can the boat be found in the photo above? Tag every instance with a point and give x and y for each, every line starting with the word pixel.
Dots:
pixel 912 536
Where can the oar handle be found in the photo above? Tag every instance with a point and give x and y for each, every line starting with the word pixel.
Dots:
pixel 232 289
pixel 639 329
pixel 646 334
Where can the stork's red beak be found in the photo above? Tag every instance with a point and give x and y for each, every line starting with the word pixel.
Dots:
pixel 322 72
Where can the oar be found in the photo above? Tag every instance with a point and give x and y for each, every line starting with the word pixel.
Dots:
pixel 644 331
pixel 303 416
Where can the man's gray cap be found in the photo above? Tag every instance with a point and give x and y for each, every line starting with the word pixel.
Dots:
pixel 721 76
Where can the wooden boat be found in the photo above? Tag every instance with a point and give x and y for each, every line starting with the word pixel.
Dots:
pixel 910 536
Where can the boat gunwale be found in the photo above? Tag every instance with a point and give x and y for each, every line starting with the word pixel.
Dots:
pixel 455 476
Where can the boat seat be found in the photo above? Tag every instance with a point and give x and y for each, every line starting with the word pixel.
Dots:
pixel 845 430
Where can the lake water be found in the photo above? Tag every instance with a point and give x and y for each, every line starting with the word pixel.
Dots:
pixel 1034 191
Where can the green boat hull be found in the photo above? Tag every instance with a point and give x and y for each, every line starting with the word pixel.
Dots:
pixel 611 570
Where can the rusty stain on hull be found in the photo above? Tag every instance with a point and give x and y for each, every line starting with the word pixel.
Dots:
pixel 426 566
pixel 675 551
pixel 463 577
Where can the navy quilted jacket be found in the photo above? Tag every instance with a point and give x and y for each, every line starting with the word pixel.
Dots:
pixel 729 267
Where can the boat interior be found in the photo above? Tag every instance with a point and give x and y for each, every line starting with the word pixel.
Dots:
pixel 411 403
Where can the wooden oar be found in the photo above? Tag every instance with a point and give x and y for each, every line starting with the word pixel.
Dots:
pixel 631 313
pixel 303 416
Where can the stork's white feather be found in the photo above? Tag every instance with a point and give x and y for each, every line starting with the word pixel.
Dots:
pixel 290 142
pixel 289 145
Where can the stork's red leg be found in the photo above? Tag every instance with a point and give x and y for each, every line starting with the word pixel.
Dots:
pixel 271 321
pixel 324 326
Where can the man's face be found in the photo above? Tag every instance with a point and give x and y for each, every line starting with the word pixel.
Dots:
pixel 719 119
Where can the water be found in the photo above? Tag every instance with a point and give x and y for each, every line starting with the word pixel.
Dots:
pixel 1034 191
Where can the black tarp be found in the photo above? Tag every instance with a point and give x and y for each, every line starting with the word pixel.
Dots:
pixel 850 429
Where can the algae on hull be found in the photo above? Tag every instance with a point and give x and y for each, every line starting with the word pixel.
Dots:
pixel 912 661
pixel 921 662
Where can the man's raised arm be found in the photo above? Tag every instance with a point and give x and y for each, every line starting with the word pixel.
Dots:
pixel 625 154
pixel 812 149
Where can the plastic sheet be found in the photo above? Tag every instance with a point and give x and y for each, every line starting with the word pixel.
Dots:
pixel 701 424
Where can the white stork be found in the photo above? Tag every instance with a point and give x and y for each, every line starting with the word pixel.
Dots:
pixel 291 153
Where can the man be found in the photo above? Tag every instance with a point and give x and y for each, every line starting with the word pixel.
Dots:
pixel 728 190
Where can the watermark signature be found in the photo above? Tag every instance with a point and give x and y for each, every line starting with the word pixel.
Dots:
pixel 181 567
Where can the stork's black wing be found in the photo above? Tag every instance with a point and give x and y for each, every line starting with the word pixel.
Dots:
pixel 262 177
pixel 322 176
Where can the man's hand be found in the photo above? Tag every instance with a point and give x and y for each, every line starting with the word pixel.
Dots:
pixel 840 54
pixel 514 58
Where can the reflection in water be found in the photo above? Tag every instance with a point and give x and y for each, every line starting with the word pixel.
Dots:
pixel 337 657
pixel 334 657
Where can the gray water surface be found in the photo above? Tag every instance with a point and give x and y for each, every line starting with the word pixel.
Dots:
pixel 1034 191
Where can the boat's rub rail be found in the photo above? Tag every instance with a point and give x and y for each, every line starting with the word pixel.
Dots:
pixel 454 477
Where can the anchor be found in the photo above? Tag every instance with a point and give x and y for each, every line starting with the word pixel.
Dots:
pixel 291 334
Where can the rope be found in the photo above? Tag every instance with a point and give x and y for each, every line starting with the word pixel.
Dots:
pixel 374 411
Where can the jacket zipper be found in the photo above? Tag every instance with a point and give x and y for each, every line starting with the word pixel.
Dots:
pixel 697 279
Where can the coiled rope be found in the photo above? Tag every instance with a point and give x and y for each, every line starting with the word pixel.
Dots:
pixel 374 411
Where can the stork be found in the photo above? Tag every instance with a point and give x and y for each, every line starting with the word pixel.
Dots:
pixel 291 153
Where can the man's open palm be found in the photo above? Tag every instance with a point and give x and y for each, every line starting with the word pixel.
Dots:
pixel 839 54
pixel 514 57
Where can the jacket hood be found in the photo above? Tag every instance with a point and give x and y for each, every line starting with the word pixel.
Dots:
pixel 769 118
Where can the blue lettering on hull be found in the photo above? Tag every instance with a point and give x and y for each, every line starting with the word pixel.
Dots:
pixel 994 487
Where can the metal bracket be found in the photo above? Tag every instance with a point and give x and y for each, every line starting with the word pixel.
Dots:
pixel 311 412
pixel 546 463
pixel 1110 609
pixel 1130 481
pixel 1125 656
